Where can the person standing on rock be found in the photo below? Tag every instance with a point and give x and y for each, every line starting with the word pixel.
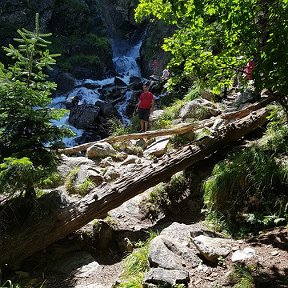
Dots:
pixel 145 106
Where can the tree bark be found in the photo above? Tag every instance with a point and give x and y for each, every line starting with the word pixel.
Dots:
pixel 149 134
pixel 36 235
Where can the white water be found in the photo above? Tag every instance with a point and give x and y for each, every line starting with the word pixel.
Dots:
pixel 124 59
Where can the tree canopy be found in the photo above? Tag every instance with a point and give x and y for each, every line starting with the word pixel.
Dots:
pixel 214 40
pixel 25 115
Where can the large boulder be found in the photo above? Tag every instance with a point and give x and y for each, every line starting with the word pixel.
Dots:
pixel 161 277
pixel 213 248
pixel 171 255
pixel 158 148
pixel 84 116
pixel 70 163
pixel 100 150
pixel 199 109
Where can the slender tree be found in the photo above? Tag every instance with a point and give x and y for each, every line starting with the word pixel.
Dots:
pixel 25 116
pixel 216 38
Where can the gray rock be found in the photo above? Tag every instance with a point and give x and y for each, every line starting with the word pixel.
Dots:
pixel 69 163
pixel 68 263
pixel 111 174
pixel 169 254
pixel 131 159
pixel 88 172
pixel 159 276
pixel 100 150
pixel 242 255
pixel 181 232
pixel 212 248
pixel 84 116
pixel 106 162
pixel 158 148
pixel 219 123
pixel 199 109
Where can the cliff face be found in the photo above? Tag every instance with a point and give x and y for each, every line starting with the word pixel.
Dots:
pixel 118 17
pixel 82 30
pixel 15 14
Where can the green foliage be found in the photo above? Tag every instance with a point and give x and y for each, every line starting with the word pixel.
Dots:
pixel 17 175
pixel 170 113
pixel 9 284
pixel 135 265
pixel 248 187
pixel 194 93
pixel 277 132
pixel 215 39
pixel 92 50
pixel 69 181
pixel 52 181
pixel 116 127
pixel 82 188
pixel 25 127
pixel 243 277
pixel 164 196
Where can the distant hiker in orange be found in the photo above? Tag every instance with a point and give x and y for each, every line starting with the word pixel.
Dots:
pixel 144 107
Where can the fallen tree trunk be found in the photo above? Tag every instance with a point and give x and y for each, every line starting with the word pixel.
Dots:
pixel 149 134
pixel 172 131
pixel 247 110
pixel 36 235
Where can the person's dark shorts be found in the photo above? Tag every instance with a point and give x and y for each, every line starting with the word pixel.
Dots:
pixel 143 114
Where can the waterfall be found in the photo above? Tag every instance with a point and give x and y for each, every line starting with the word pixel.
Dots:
pixel 125 58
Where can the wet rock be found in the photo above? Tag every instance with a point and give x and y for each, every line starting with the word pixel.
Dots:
pixel 106 108
pixel 119 82
pixel 212 248
pixel 84 116
pixel 100 150
pixel 159 276
pixel 65 82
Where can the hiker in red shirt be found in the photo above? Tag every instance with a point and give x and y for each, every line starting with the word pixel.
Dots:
pixel 145 106
pixel 249 69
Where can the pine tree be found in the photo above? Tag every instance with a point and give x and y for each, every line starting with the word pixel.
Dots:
pixel 25 116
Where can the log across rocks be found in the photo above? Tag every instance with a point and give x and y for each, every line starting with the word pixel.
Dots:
pixel 37 234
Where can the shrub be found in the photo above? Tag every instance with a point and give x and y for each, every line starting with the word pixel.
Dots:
pixel 135 265
pixel 248 182
pixel 164 196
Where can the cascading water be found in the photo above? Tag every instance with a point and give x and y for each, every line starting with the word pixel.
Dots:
pixel 125 62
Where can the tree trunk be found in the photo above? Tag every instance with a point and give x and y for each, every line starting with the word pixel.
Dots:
pixel 36 235
pixel 182 129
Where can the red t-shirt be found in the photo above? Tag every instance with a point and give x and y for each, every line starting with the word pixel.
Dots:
pixel 248 70
pixel 146 99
